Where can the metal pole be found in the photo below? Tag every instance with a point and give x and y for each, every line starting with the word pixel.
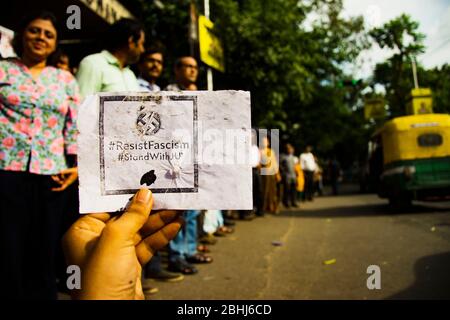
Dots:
pixel 192 28
pixel 206 5
pixel 209 75
pixel 414 70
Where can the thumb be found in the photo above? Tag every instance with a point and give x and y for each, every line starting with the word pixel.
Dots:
pixel 136 214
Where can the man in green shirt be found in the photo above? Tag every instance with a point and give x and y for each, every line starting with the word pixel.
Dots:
pixel 107 71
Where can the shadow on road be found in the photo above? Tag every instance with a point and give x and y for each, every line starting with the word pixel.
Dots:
pixel 432 279
pixel 359 211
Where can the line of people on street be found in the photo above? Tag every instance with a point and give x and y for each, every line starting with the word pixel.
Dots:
pixel 292 180
pixel 39 100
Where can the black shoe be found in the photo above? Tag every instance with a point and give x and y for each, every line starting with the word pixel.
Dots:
pixel 228 222
pixel 163 275
pixel 182 266
pixel 247 216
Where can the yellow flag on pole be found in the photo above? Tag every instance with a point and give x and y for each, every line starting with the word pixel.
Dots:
pixel 211 51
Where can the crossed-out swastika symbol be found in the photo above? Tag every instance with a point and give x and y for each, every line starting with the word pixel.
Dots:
pixel 148 122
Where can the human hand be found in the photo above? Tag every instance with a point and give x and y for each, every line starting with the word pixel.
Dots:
pixel 111 250
pixel 65 178
pixel 278 176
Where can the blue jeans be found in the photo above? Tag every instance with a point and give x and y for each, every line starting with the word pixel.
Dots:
pixel 185 243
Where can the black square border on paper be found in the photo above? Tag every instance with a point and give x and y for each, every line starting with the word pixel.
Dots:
pixel 192 98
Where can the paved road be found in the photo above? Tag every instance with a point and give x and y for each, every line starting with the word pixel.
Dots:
pixel 412 250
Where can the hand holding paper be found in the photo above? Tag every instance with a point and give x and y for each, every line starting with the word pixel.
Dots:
pixel 110 250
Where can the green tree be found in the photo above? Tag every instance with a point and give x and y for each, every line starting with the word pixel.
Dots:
pixel 438 79
pixel 289 62
pixel 401 35
pixel 291 65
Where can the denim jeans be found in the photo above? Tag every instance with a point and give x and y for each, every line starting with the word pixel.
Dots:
pixel 185 243
pixel 290 191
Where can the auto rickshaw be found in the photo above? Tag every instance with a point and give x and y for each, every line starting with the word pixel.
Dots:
pixel 411 157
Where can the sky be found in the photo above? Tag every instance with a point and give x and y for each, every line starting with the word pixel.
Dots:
pixel 432 15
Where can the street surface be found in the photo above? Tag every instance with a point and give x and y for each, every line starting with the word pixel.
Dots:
pixel 350 232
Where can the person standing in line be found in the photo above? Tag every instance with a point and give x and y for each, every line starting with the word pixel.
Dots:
pixel 108 70
pixel 255 158
pixel 38 110
pixel 334 171
pixel 270 176
pixel 150 67
pixel 289 177
pixel 309 167
pixel 186 73
pixel 61 60
pixel 300 178
pixel 318 178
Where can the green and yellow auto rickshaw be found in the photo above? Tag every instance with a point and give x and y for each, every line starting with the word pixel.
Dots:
pixel 411 156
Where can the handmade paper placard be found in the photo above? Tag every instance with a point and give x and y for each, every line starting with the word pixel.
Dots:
pixel 190 148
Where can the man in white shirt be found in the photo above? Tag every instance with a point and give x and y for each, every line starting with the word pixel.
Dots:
pixel 309 165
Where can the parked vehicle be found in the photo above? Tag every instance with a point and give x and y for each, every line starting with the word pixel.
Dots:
pixel 410 158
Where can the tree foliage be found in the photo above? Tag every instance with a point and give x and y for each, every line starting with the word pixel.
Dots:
pixel 291 64
pixel 287 53
pixel 290 55
pixel 402 36
pixel 438 79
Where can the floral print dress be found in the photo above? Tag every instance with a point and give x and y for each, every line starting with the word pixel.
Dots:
pixel 37 118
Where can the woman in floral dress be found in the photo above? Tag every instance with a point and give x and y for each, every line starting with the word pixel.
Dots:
pixel 38 106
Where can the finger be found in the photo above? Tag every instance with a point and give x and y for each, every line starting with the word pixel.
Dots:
pixel 136 214
pixel 82 235
pixel 155 222
pixel 91 222
pixel 57 179
pixel 103 216
pixel 68 181
pixel 147 247
pixel 63 186
pixel 158 220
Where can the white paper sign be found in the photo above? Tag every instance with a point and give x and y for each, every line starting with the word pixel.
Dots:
pixel 190 148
